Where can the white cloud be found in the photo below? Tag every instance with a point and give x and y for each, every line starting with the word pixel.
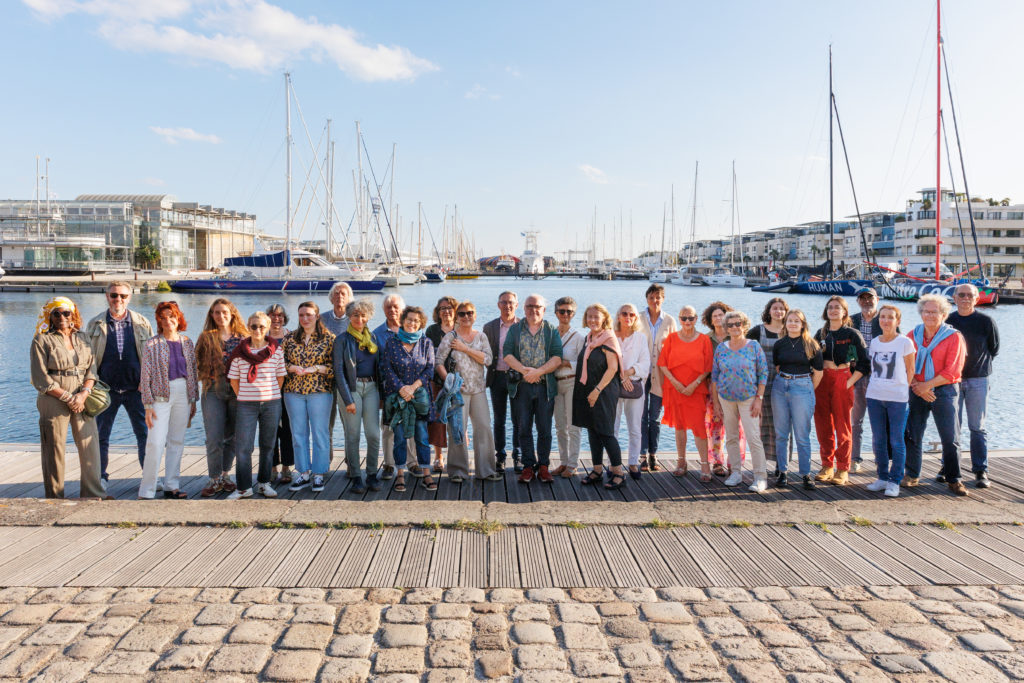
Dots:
pixel 155 182
pixel 173 136
pixel 513 72
pixel 594 174
pixel 478 91
pixel 242 34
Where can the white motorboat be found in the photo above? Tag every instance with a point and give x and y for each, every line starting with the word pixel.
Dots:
pixel 692 274
pixel 662 275
pixel 724 277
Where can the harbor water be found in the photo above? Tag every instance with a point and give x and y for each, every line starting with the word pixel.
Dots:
pixel 19 312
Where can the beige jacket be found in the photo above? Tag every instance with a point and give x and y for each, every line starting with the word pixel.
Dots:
pixel 654 343
pixel 96 333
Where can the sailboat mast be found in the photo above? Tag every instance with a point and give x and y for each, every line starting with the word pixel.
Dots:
pixel 732 223
pixel 938 136
pixel 693 215
pixel 831 193
pixel 288 171
pixel 360 222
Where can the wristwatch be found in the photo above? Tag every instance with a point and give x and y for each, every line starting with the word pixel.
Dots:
pixel 761 397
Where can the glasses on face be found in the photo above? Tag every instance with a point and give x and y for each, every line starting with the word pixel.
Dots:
pixel 734 324
pixel 445 309
pixel 115 295
pixel 565 311
pixel 62 313
pixel 504 302
pixel 687 318
pixel 466 314
pixel 626 314
pixel 963 295
pixel 257 327
pixel 533 307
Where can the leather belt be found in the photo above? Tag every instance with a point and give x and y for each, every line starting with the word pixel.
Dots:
pixel 786 375
pixel 366 379
pixel 566 377
pixel 66 373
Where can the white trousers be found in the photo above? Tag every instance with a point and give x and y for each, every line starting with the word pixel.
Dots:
pixel 478 411
pixel 568 434
pixel 166 438
pixel 735 413
pixel 634 411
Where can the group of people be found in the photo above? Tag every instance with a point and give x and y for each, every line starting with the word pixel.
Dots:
pixel 412 386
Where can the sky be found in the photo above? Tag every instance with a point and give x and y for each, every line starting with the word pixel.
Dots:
pixel 525 115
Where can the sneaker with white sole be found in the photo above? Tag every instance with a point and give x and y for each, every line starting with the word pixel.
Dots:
pixel 877 485
pixel 892 489
pixel 159 485
pixel 855 467
pixel 299 482
pixel 734 479
pixel 239 493
pixel 318 483
pixel 759 486
pixel 266 490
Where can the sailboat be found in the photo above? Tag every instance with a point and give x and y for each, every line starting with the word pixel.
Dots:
pixel 726 277
pixel 691 274
pixel 904 287
pixel 286 270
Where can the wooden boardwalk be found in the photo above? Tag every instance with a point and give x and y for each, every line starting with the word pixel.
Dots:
pixel 22 478
pixel 527 557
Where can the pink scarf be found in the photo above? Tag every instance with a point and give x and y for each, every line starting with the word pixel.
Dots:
pixel 595 341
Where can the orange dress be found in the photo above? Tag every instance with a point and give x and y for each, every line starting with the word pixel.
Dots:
pixel 686 361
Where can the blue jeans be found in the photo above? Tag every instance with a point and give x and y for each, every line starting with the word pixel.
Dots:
pixel 793 410
pixel 888 422
pixel 219 405
pixel 499 405
pixel 310 415
pixel 422 445
pixel 650 421
pixel 367 415
pixel 249 414
pixel 534 407
pixel 132 402
pixel 943 408
pixel 973 394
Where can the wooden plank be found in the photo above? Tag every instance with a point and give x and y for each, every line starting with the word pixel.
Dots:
pixel 14 535
pixel 267 559
pixel 717 571
pixel 969 546
pixel 25 570
pixel 297 558
pixel 830 545
pixel 533 561
pixel 565 573
pixel 180 558
pixel 836 571
pixel 352 569
pixel 97 573
pixel 446 559
pixel 387 559
pixel 504 559
pixel 620 560
pixel 474 566
pixel 738 556
pixel 76 564
pixel 206 561
pixel 967 568
pixel 656 571
pixel 809 573
pixel 151 557
pixel 1000 541
pixel 592 563
pixel 869 552
pixel 38 537
pixel 677 559
pixel 415 565
pixel 896 549
pixel 328 558
pixel 235 562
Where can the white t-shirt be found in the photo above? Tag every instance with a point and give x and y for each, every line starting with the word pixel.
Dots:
pixel 889 380
pixel 265 387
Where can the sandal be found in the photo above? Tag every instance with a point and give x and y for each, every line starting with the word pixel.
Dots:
pixel 568 473
pixel 652 463
pixel 635 472
pixel 705 472
pixel 681 468
pixel 719 471
pixel 417 471
pixel 616 481
pixel 286 476
pixel 400 482
pixel 176 493
pixel 438 467
pixel 644 467
pixel 557 472
pixel 429 483
pixel 592 477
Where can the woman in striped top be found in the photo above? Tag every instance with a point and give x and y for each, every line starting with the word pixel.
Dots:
pixel 256 372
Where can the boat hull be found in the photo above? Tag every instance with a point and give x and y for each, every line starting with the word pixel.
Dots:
pixel 724 281
pixel 287 286
pixel 785 286
pixel 912 291
pixel 840 287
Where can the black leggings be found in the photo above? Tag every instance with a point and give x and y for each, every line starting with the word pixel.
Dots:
pixel 599 443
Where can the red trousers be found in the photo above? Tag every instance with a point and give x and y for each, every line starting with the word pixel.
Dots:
pixel 833 403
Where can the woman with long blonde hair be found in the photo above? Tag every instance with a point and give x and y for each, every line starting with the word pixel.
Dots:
pixel 798 365
pixel 223 330
pixel 636 368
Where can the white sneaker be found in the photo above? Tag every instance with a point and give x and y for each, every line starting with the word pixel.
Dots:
pixel 760 484
pixel 318 483
pixel 892 489
pixel 239 493
pixel 266 490
pixel 877 485
pixel 855 467
pixel 299 482
pixel 734 479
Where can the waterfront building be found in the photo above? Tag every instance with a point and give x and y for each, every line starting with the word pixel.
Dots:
pixel 111 232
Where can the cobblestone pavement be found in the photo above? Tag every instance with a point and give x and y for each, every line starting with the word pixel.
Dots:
pixel 761 635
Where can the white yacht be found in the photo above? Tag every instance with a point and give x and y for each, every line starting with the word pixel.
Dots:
pixel 662 275
pixel 531 262
pixel 724 277
pixel 692 274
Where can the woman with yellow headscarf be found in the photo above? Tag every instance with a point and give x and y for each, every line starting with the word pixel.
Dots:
pixel 62 373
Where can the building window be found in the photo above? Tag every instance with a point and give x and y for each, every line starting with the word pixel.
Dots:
pixel 1013 233
pixel 926 249
pixel 997 233
pixel 1014 215
pixel 924 232
pixel 1013 250
pixel 995 215
pixel 979 214
pixel 922 215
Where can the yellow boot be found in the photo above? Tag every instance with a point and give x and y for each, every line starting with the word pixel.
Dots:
pixel 842 478
pixel 825 474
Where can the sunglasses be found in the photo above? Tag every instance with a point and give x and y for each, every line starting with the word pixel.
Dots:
pixel 734 324
pixel 115 295
pixel 687 318
pixel 565 311
pixel 963 295
pixel 627 315
pixel 62 313
pixel 466 314
pixel 257 327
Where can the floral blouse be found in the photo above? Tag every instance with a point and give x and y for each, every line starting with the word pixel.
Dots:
pixel 319 351
pixel 473 373
pixel 400 367
pixel 737 374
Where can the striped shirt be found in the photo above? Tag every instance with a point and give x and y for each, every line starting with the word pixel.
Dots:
pixel 265 388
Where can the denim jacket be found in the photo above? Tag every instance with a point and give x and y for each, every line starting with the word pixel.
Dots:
pixel 449 404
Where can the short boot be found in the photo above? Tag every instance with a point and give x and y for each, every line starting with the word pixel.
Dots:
pixel 825 474
pixel 841 478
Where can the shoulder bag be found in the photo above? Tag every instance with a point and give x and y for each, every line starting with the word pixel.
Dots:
pixel 98 399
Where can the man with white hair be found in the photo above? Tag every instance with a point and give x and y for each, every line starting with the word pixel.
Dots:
pixel 334 319
pixel 392 306
pixel 982 337
pixel 533 350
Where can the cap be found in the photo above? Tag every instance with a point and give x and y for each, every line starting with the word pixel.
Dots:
pixel 867 290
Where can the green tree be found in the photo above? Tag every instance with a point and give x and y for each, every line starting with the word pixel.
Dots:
pixel 147 256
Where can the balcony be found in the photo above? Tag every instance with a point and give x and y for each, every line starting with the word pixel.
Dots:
pixel 882 244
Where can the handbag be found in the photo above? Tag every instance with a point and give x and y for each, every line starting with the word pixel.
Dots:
pixel 98 399
pixel 636 392
pixel 449 362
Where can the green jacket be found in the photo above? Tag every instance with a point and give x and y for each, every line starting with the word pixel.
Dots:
pixel 553 343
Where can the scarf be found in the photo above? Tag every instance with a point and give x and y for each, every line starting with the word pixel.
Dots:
pixel 245 352
pixel 409 337
pixel 364 338
pixel 595 341
pixel 923 364
pixel 43 324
